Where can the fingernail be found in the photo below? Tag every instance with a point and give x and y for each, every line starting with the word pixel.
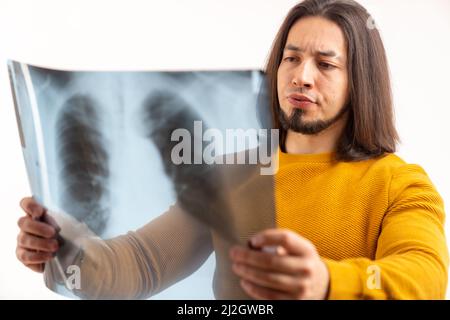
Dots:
pixel 60 240
pixel 256 241
pixel 37 211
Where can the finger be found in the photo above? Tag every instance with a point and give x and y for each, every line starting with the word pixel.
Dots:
pixel 279 250
pixel 36 267
pixel 291 241
pixel 31 207
pixel 258 292
pixel 28 241
pixel 36 228
pixel 270 262
pixel 51 221
pixel 32 257
pixel 271 280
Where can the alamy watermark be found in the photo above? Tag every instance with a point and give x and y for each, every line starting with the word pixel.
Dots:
pixel 374 277
pixel 213 147
pixel 370 24
pixel 73 277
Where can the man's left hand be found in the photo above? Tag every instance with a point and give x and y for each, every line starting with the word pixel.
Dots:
pixel 294 271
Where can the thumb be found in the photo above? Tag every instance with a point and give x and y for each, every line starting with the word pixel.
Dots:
pixel 32 208
pixel 292 242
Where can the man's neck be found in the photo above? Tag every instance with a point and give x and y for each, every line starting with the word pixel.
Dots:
pixel 323 142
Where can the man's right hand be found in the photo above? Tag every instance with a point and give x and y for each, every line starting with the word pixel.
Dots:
pixel 37 240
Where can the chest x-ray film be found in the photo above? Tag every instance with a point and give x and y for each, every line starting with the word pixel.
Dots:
pixel 148 175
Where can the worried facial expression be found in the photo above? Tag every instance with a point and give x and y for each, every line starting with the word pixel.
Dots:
pixel 312 76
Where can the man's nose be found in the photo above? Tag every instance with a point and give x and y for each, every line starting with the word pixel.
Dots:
pixel 304 75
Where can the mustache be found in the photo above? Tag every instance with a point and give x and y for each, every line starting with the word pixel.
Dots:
pixel 304 91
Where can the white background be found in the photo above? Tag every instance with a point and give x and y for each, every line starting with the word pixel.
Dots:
pixel 208 34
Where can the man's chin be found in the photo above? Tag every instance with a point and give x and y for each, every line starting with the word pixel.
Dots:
pixel 309 128
pixel 300 121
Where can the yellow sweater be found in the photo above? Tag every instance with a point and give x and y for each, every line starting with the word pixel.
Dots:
pixel 378 224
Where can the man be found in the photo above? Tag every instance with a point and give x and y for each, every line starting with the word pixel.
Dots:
pixel 353 220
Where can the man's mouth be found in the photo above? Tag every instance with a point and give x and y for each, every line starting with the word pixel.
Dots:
pixel 301 101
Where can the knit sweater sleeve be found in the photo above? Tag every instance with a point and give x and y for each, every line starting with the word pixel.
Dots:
pixel 411 259
pixel 146 261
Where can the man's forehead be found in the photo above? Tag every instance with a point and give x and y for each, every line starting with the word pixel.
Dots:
pixel 316 35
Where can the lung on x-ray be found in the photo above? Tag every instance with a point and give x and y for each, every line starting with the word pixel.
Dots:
pixel 105 147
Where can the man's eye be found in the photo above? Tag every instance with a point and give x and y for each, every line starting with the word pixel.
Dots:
pixel 326 66
pixel 289 59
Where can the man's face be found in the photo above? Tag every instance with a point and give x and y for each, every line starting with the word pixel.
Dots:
pixel 314 67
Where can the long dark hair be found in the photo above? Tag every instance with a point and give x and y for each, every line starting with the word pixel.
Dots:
pixel 370 130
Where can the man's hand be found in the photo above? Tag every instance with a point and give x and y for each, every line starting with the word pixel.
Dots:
pixel 294 271
pixel 37 241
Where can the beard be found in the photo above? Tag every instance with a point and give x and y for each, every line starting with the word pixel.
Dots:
pixel 296 123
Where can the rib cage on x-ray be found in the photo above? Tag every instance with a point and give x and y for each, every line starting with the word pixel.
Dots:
pixel 84 162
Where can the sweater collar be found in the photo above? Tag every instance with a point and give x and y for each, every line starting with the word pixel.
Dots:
pixel 288 158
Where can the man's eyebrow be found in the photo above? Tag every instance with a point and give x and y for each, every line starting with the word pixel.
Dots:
pixel 326 53
pixel 292 48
